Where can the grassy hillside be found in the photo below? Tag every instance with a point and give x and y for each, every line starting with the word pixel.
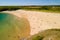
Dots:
pixel 43 8
pixel 50 34
pixel 13 27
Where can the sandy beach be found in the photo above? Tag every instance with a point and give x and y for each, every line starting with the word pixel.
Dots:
pixel 39 20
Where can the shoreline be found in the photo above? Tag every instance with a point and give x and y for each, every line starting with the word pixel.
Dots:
pixel 39 21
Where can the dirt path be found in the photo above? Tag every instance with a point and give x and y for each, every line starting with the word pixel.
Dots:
pixel 39 20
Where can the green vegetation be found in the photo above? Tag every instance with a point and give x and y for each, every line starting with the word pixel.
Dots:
pixel 49 8
pixel 50 34
pixel 43 8
pixel 9 8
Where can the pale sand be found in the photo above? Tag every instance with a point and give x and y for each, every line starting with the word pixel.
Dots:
pixel 39 20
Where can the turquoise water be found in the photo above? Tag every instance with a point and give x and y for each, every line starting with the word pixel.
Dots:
pixel 5 20
pixel 3 17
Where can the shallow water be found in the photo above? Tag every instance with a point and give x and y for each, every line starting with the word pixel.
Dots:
pixel 12 28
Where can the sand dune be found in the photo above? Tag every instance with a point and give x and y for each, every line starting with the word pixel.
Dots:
pixel 39 20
